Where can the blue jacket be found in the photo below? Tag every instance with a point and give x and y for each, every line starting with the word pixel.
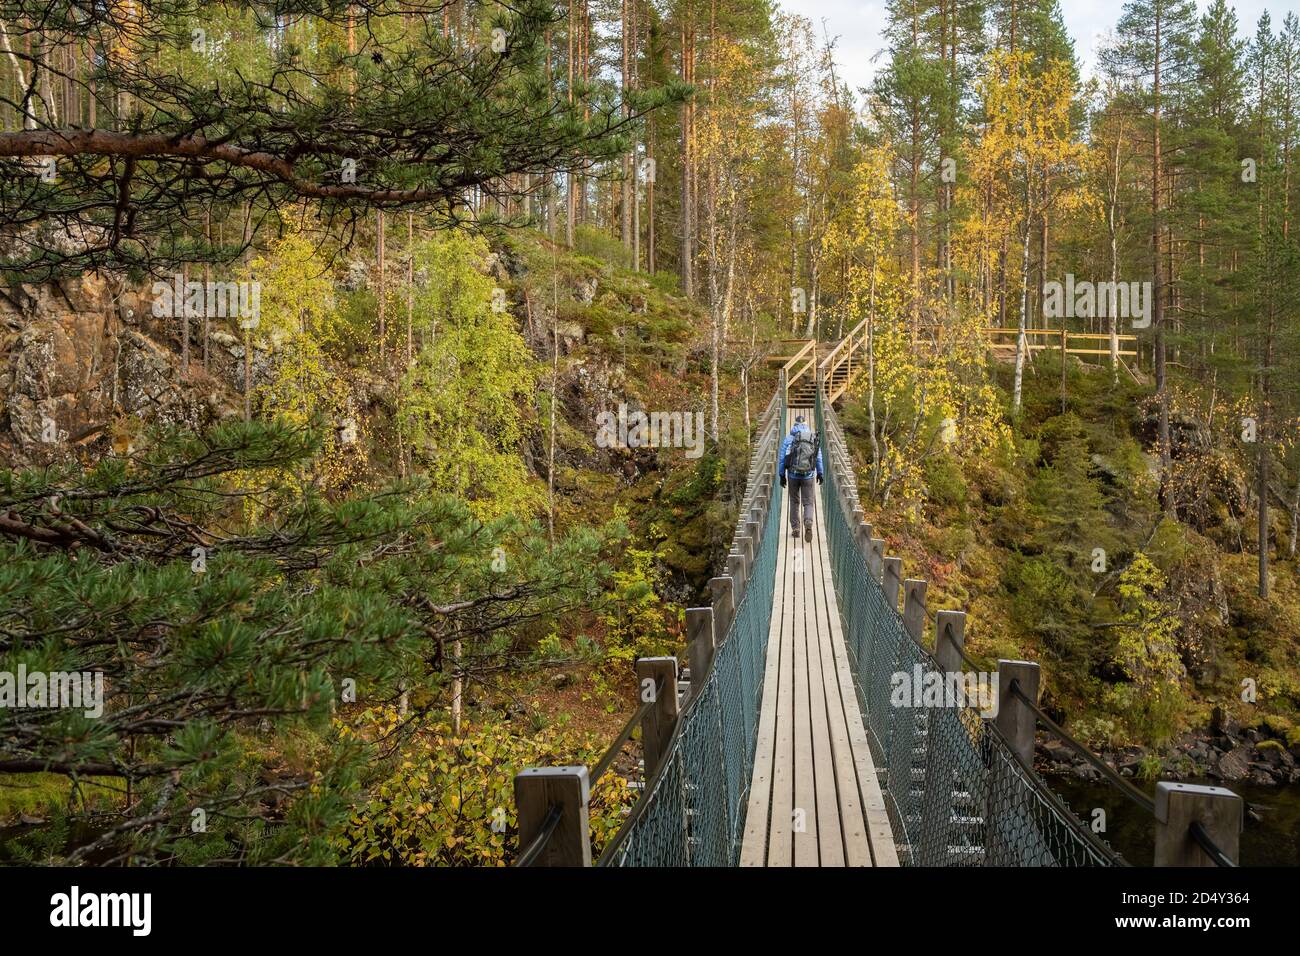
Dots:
pixel 785 450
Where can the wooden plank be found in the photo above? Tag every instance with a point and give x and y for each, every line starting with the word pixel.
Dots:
pixel 876 816
pixel 753 851
pixel 856 842
pixel 780 842
pixel 830 841
pixel 812 751
pixel 804 818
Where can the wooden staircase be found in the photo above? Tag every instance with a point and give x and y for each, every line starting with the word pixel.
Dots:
pixel 833 366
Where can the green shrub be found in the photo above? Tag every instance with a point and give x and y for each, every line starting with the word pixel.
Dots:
pixel 945 482
pixel 598 244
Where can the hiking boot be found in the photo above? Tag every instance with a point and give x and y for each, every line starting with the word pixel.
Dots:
pixel 807 533
pixel 794 532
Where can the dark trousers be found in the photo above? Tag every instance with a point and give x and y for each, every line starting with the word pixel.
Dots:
pixel 801 499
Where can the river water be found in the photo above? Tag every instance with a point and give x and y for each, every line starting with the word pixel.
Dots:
pixel 1271 836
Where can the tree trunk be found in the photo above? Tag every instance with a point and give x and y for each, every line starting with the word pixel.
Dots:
pixel 688 224
pixel 555 381
pixel 207 280
pixel 871 380
pixel 1112 228
pixel 383 289
pixel 410 289
pixel 629 185
pixel 1157 285
pixel 1022 345
pixel 650 206
pixel 570 178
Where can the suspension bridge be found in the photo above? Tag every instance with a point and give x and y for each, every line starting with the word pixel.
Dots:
pixel 780 742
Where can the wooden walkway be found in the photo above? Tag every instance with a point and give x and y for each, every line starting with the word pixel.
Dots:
pixel 814 797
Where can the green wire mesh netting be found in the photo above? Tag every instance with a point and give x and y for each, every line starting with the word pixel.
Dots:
pixel 693 810
pixel 956 793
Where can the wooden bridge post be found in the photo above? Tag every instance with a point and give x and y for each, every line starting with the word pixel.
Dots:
pixel 914 608
pixel 700 645
pixel 748 547
pixel 1179 805
pixel 893 580
pixel 949 640
pixel 724 605
pixel 864 542
pixel 537 789
pixel 1016 721
pixel 661 719
pixel 876 560
pixel 739 571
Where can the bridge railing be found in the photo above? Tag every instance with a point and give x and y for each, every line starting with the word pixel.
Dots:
pixel 803 364
pixel 698 748
pixel 854 343
pixel 955 747
pixel 1122 345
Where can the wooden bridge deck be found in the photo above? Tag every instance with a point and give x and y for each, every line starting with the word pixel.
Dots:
pixel 814 797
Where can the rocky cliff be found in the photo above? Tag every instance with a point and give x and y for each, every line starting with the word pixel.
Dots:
pixel 84 365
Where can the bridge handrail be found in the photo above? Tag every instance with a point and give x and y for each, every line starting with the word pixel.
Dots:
pixel 1056 333
pixel 1078 844
pixel 855 341
pixel 678 820
pixel 969 771
pixel 698 761
pixel 807 363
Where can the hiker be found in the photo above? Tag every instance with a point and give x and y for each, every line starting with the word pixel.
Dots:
pixel 802 459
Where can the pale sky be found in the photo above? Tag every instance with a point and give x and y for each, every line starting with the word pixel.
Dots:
pixel 858 24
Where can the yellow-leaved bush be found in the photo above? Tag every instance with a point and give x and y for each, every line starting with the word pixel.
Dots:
pixel 447 799
pixel 299 327
pixel 925 392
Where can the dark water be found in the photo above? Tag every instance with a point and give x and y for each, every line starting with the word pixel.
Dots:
pixel 1271 836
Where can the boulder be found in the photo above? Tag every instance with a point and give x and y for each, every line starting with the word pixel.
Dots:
pixel 1235 765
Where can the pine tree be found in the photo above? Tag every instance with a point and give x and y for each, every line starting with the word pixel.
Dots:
pixel 1153 52
pixel 348 110
pixel 909 97
pixel 223 607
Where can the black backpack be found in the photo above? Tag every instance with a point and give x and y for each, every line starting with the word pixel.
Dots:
pixel 802 456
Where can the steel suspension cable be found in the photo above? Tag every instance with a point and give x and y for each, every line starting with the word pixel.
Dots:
pixel 534 849
pixel 1130 791
pixel 633 722
pixel 1208 845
